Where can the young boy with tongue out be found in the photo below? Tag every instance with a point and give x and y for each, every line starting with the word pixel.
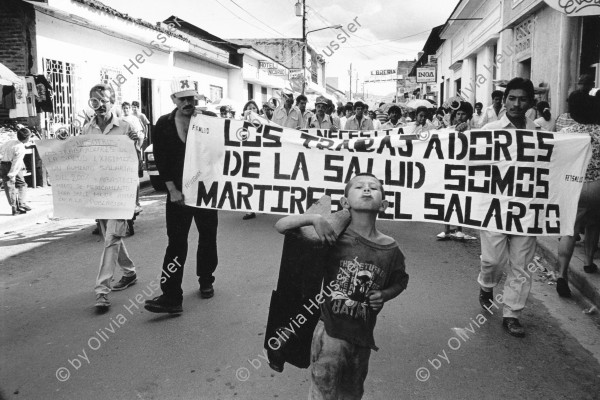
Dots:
pixel 368 269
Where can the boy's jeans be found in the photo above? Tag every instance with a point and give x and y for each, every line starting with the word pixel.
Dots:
pixel 337 368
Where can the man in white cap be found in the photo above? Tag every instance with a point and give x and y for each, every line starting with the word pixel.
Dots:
pixel 321 120
pixel 170 136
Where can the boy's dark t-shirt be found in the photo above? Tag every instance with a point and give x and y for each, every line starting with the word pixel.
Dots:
pixel 354 266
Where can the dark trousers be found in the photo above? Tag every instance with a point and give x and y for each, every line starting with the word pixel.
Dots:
pixel 179 221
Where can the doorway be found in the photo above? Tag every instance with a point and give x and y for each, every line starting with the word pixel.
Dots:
pixel 146 103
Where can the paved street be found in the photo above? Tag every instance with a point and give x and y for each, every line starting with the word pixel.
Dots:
pixel 50 329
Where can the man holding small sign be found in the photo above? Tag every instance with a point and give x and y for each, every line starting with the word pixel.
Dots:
pixel 106 122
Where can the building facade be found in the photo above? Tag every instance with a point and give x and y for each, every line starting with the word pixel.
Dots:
pixel 487 43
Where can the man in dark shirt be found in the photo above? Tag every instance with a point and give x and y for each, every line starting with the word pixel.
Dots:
pixel 170 136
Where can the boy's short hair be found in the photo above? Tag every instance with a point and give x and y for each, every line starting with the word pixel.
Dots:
pixel 135 104
pixel 23 134
pixel 125 104
pixel 363 174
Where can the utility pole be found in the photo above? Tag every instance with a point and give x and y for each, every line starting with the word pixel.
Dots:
pixel 350 75
pixel 356 85
pixel 304 44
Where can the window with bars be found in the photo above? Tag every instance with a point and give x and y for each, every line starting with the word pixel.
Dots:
pixel 61 77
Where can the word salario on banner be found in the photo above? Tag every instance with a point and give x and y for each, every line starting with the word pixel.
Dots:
pixel 512 181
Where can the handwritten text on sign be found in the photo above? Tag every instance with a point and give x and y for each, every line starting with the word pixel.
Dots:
pixel 93 176
pixel 513 181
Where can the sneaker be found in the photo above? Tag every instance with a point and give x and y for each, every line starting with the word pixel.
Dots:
pixel 485 298
pixel 442 235
pixel 459 235
pixel 24 207
pixel 162 304
pixel 102 302
pixel 125 282
pixel 513 327
pixel 17 211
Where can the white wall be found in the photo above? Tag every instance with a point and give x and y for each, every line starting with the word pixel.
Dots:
pixel 90 50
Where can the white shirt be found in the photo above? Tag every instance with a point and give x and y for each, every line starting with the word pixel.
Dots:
pixel 504 123
pixel 489 115
pixel 391 125
pixel 546 125
pixel 293 119
pixel 343 122
pixel 13 151
pixel 305 116
pixel 476 120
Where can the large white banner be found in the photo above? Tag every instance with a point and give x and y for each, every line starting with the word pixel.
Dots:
pixel 92 176
pixel 512 181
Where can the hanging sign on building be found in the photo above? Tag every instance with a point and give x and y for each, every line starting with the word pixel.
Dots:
pixel 263 64
pixel 277 71
pixel 426 74
pixel 297 73
pixel 384 72
pixel 580 8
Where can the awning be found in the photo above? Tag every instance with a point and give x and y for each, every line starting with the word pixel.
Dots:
pixel 7 77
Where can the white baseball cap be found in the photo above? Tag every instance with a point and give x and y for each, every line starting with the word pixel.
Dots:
pixel 184 87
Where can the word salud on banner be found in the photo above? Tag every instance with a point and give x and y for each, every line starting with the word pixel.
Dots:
pixel 512 181
pixel 93 176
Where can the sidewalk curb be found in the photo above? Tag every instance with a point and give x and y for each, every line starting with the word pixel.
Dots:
pixel 42 213
pixel 587 284
pixel 36 215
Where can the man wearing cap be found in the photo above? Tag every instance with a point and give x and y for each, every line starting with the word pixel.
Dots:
pixel 358 122
pixel 268 110
pixel 11 169
pixel 106 122
pixel 321 120
pixel 170 140
pixel 288 115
